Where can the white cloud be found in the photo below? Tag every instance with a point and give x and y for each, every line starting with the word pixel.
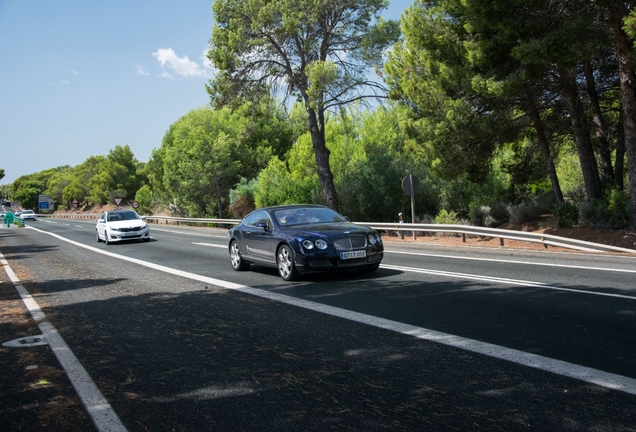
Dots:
pixel 182 66
pixel 141 70
pixel 165 74
pixel 65 82
pixel 74 72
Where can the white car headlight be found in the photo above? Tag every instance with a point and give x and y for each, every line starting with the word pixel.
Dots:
pixel 309 245
pixel 372 239
pixel 321 244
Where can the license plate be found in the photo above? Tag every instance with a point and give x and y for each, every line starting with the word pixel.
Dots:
pixel 353 254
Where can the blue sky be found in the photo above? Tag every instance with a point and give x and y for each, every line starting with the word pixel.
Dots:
pixel 81 77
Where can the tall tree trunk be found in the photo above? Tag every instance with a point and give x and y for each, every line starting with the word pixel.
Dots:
pixel 624 52
pixel 619 165
pixel 607 172
pixel 317 131
pixel 533 111
pixel 580 132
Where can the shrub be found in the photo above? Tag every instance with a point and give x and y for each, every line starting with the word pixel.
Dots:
pixel 489 216
pixel 612 211
pixel 566 214
pixel 479 214
pixel 445 217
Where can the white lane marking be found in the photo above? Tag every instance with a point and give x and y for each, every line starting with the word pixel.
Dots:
pixel 98 408
pixel 510 261
pixel 210 245
pixel 80 226
pixel 189 233
pixel 563 368
pixel 505 281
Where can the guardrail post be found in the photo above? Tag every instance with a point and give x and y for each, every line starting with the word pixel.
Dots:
pixel 463 237
pixel 501 241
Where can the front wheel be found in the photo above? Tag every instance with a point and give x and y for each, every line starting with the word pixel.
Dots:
pixel 237 261
pixel 97 235
pixel 286 267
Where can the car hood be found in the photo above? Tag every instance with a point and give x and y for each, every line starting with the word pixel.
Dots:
pixel 333 229
pixel 126 223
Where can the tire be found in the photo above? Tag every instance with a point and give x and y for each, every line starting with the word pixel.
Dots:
pixel 237 261
pixel 106 238
pixel 97 235
pixel 370 269
pixel 286 267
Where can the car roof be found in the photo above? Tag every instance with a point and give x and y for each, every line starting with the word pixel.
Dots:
pixel 292 206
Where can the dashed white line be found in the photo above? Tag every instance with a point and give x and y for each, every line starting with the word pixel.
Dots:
pixel 210 245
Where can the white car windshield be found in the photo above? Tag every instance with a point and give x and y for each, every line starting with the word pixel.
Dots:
pixel 115 217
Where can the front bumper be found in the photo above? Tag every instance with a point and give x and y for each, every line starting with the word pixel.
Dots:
pixel 124 236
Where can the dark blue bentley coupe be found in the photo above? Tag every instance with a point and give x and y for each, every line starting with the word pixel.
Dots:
pixel 299 239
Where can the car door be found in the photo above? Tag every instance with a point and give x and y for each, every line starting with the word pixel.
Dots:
pixel 101 225
pixel 259 236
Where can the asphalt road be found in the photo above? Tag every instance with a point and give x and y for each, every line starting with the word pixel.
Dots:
pixel 436 339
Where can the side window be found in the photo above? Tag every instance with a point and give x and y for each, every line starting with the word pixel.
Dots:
pixel 263 217
pixel 258 217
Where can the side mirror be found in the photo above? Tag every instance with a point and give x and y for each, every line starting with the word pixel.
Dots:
pixel 262 225
pixel 100 221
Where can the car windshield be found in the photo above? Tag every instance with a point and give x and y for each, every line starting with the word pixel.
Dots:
pixel 302 215
pixel 115 217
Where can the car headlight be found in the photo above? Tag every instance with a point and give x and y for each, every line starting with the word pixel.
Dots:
pixel 320 244
pixel 374 239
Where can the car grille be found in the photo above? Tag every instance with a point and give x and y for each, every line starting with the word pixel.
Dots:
pixel 129 229
pixel 349 243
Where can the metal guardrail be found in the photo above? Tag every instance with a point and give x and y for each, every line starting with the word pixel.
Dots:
pixel 463 230
pixel 545 239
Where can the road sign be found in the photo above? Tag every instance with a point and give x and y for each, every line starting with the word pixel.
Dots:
pixel 135 204
pixel 118 201
pixel 45 202
pixel 74 203
pixel 406 185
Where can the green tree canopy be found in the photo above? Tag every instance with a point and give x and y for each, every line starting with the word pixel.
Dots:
pixel 319 50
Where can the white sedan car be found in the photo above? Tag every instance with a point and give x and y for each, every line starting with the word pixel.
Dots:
pixel 119 225
pixel 28 215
